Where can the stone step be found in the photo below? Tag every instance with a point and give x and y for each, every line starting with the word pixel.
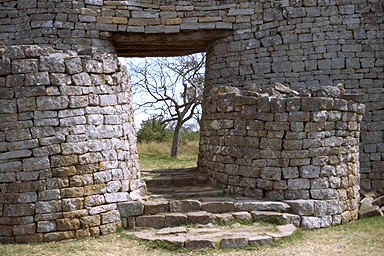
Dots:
pixel 174 178
pixel 179 181
pixel 206 236
pixel 166 213
pixel 203 217
pixel 213 205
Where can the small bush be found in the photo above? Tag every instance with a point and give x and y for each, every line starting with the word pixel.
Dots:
pixel 153 130
pixel 189 136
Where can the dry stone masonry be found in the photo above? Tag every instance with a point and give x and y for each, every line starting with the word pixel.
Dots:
pixel 67 141
pixel 286 148
pixel 68 151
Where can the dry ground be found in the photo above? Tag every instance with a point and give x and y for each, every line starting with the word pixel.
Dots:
pixel 364 237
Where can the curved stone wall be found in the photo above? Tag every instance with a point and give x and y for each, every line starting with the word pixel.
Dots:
pixel 65 113
pixel 284 148
pixel 299 43
pixel 67 144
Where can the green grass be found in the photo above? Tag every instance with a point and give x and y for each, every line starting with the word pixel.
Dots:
pixel 233 221
pixel 363 237
pixel 154 155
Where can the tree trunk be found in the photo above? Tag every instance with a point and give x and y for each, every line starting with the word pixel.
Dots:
pixel 175 140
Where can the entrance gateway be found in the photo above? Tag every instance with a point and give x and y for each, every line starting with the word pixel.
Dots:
pixel 67 139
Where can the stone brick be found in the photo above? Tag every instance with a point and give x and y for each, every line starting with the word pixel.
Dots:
pixel 232 243
pixel 57 236
pixel 271 173
pixel 310 222
pixel 90 221
pixel 72 204
pixel 14 210
pixel 24 66
pixel 301 207
pixel 109 217
pixel 48 206
pixel 184 206
pixel 27 229
pixel 52 63
pixel 153 221
pixel 310 171
pixel 35 163
pixel 154 207
pixel 128 209
pixel 175 219
pixel 5 67
pixel 46 226
pixel 200 217
pixel 217 207
pixel 72 192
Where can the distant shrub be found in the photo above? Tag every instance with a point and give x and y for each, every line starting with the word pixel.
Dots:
pixel 189 136
pixel 154 130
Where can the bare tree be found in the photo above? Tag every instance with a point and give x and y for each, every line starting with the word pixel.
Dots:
pixel 172 88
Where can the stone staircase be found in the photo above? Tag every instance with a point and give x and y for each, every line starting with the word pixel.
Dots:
pixel 179 184
pixel 183 209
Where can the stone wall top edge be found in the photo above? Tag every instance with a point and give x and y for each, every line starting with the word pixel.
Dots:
pixel 271 103
pixel 35 51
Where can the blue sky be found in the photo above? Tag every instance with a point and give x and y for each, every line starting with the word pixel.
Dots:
pixel 139 116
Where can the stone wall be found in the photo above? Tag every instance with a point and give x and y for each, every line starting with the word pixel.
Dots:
pixel 284 148
pixel 300 43
pixel 67 144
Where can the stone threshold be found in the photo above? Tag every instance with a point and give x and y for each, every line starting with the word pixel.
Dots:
pixel 211 236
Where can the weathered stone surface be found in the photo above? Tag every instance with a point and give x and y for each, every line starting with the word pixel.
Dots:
pixel 255 205
pixel 175 219
pixel 178 241
pixel 326 91
pixel 201 217
pixel 27 229
pixel 57 236
pixel 110 217
pixel 13 210
pixel 184 206
pixel 260 240
pixel 194 244
pixel 302 207
pixel 68 224
pixel 90 221
pixel 310 222
pixel 154 221
pixel 46 226
pixel 378 201
pixel 167 231
pixel 223 217
pixel 370 212
pixel 217 207
pixel 132 208
pixel 232 243
pixel 48 93
pixel 72 204
pixel 154 207
pixel 241 215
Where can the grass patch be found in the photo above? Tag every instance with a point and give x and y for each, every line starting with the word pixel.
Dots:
pixel 275 221
pixel 153 155
pixel 363 237
pixel 162 245
pixel 233 221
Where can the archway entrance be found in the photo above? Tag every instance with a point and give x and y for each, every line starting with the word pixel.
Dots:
pixel 165 45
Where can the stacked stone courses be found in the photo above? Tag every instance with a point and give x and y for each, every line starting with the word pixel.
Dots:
pixel 67 144
pixel 285 148
pixel 66 116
